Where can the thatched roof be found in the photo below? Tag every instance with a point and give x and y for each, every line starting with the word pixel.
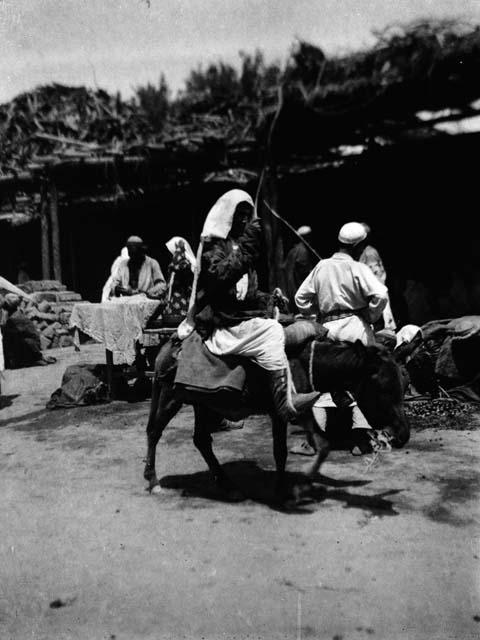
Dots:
pixel 412 79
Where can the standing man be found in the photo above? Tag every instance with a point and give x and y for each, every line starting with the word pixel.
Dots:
pixel 347 299
pixel 372 259
pixel 298 264
pixel 138 273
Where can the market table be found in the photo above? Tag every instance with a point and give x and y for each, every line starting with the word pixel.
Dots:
pixel 119 324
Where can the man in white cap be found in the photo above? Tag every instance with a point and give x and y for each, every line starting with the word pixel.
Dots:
pixel 298 264
pixel 347 299
pixel 138 273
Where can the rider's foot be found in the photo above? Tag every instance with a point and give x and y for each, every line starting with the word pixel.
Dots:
pixel 303 449
pixel 362 442
pixel 278 381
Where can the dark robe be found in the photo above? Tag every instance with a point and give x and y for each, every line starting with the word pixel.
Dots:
pixel 21 341
pixel 223 266
pixel 297 266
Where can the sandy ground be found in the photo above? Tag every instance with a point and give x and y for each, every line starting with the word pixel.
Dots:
pixel 390 552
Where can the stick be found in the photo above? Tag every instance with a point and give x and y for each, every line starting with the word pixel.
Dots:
pixel 188 325
pixel 274 213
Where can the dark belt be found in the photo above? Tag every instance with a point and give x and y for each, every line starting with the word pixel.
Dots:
pixel 329 317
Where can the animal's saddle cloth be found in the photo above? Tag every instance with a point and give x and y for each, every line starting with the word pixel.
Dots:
pixel 199 370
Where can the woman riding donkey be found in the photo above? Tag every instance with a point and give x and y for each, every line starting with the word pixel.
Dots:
pixel 231 317
pixel 231 313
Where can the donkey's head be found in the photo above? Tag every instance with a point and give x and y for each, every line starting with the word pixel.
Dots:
pixel 380 394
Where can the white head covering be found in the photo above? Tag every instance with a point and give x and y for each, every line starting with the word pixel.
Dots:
pixel 304 230
pixel 190 256
pixel 135 240
pixel 407 334
pixel 352 233
pixel 220 217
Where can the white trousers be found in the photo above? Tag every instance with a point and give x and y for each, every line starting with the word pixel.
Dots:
pixel 358 419
pixel 259 339
pixel 347 329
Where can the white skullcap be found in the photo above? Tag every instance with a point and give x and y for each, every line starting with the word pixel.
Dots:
pixel 352 233
pixel 304 230
pixel 134 240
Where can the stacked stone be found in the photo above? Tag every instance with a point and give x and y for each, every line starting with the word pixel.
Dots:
pixel 50 309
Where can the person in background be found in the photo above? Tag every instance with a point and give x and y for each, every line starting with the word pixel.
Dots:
pixel 372 259
pixel 21 339
pixel 180 271
pixel 107 291
pixel 23 273
pixel 298 264
pixel 139 273
pixel 347 298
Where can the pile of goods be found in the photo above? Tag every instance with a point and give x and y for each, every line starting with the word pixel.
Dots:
pixel 50 308
pixel 444 413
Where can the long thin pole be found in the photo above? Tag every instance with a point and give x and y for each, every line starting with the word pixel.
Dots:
pixel 276 215
pixel 44 224
pixel 57 265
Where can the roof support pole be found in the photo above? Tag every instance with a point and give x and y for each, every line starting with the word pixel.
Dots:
pixel 272 231
pixel 57 265
pixel 45 236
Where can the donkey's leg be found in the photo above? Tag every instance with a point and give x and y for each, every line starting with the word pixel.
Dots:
pixel 279 433
pixel 203 441
pixel 316 427
pixel 323 449
pixel 163 408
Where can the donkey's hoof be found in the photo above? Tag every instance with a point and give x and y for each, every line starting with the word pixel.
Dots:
pixel 156 490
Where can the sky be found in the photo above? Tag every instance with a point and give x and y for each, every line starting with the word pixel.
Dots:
pixel 119 44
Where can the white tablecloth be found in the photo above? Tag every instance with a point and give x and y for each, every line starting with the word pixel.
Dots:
pixel 118 323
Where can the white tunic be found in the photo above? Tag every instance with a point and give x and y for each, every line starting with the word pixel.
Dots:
pixel 340 286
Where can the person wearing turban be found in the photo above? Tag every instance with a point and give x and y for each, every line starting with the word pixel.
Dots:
pixel 231 313
pixel 298 264
pixel 180 271
pixel 372 259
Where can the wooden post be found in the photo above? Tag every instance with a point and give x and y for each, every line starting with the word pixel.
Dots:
pixel 273 233
pixel 44 221
pixel 57 265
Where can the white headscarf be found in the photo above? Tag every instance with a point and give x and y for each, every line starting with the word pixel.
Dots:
pixel 220 217
pixel 217 225
pixel 190 256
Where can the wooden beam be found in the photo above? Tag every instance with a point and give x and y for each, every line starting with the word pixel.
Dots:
pixel 57 264
pixel 45 233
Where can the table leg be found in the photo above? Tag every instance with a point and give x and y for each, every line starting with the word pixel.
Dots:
pixel 109 359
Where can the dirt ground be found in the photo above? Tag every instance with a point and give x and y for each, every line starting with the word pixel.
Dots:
pixel 387 552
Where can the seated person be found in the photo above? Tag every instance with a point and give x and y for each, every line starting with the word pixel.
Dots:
pixel 138 273
pixel 21 339
pixel 107 291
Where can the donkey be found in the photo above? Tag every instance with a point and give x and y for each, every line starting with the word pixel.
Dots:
pixel 370 373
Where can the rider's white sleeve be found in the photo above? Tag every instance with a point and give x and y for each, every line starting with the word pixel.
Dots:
pixel 306 295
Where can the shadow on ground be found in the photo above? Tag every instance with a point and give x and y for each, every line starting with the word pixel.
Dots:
pixel 258 485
